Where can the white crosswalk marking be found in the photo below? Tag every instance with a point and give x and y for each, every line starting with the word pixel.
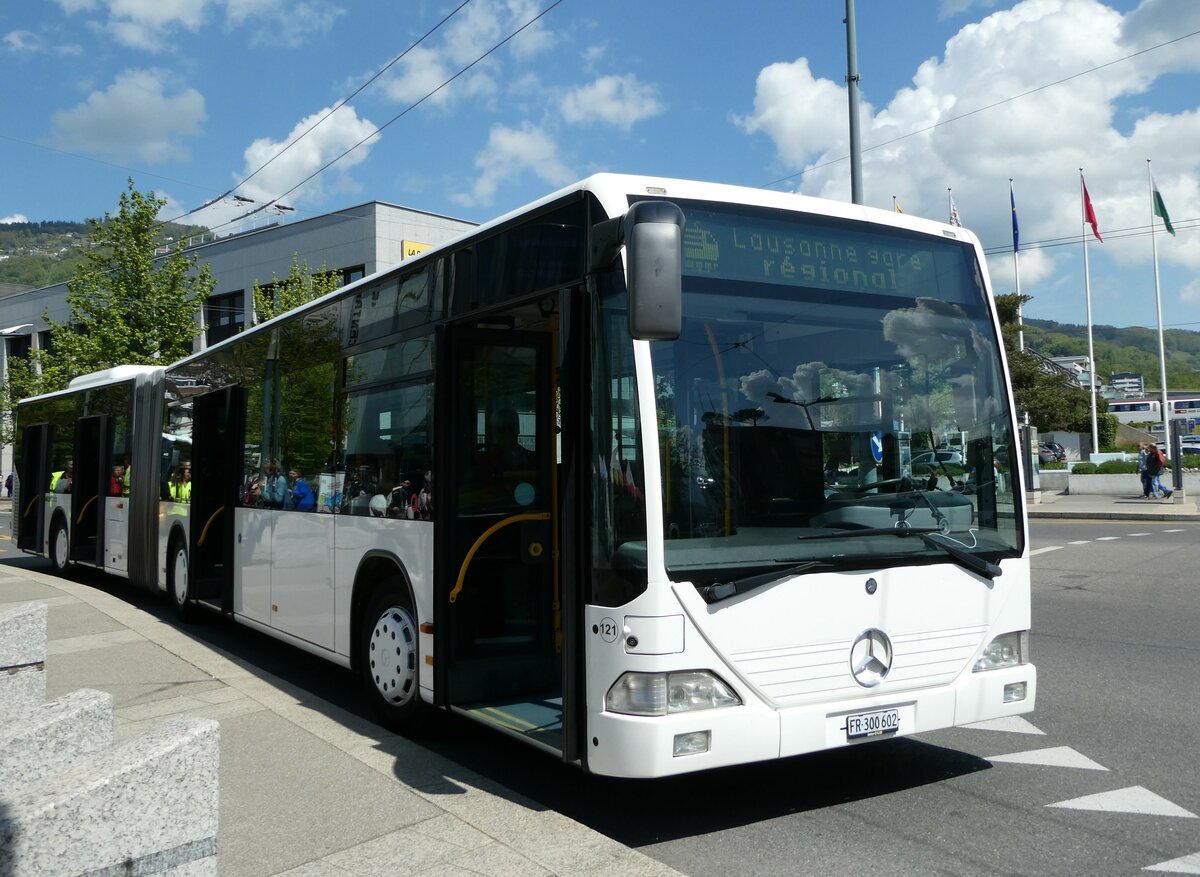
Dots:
pixel 1055 756
pixel 1182 865
pixel 1012 724
pixel 1134 799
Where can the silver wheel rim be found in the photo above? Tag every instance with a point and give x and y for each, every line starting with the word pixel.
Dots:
pixel 60 547
pixel 392 656
pixel 179 576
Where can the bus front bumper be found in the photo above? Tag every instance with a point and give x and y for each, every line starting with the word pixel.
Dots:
pixel 636 746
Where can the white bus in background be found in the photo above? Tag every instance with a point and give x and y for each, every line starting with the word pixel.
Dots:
pixel 627 473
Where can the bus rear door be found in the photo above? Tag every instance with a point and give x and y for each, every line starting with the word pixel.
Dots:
pixel 217 448
pixel 93 474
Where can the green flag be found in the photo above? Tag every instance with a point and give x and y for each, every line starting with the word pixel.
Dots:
pixel 1160 209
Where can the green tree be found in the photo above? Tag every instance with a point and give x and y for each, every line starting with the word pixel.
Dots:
pixel 130 304
pixel 302 285
pixel 1051 400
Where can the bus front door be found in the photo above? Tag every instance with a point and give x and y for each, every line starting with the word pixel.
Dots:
pixel 35 481
pixel 93 475
pixel 217 449
pixel 498 620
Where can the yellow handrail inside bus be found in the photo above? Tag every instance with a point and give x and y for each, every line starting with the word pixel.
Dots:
pixel 483 537
pixel 29 507
pixel 207 524
pixel 85 505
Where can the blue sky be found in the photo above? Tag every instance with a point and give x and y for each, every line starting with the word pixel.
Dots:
pixel 190 97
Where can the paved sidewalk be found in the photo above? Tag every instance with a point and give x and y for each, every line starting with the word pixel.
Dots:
pixel 306 789
pixel 1131 507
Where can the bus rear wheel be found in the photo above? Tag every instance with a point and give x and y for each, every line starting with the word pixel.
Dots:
pixel 388 653
pixel 60 546
pixel 177 581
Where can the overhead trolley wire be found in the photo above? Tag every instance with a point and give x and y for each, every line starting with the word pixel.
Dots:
pixel 398 116
pixel 384 69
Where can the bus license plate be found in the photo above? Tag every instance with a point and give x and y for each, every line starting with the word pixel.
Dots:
pixel 874 724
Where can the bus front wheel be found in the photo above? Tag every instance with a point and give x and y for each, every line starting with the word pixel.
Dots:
pixel 388 653
pixel 60 546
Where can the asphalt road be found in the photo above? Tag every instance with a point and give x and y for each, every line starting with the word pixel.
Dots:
pixel 1101 780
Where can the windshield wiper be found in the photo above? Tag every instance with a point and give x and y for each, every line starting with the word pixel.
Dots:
pixel 724 590
pixel 965 559
pixel 872 531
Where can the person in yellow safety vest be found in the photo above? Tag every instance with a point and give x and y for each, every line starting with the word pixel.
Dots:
pixel 125 478
pixel 181 485
pixel 60 482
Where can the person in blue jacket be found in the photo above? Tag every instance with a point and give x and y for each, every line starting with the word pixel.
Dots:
pixel 300 492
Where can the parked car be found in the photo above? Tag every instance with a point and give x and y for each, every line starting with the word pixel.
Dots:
pixel 940 457
pixel 1049 452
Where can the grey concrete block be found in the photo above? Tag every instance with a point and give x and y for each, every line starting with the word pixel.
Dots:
pixel 148 805
pixel 22 636
pixel 22 658
pixel 35 744
pixel 22 690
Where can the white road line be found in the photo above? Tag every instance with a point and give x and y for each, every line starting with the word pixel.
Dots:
pixel 1180 530
pixel 1134 799
pixel 1044 550
pixel 1182 865
pixel 1080 542
pixel 1107 538
pixel 1012 724
pixel 1055 756
pixel 1139 534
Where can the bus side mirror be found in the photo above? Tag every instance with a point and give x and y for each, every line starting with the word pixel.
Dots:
pixel 653 234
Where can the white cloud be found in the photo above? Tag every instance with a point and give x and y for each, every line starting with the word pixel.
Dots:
pixel 510 153
pixel 15 218
pixel 133 117
pixel 146 24
pixel 1041 138
pixel 618 100
pixel 291 23
pixel 1190 294
pixel 803 115
pixel 466 38
pixel 27 41
pixel 150 25
pixel 341 131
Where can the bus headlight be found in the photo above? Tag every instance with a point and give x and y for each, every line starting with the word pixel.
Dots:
pixel 656 694
pixel 1006 650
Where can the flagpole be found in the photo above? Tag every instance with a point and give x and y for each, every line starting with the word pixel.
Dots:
pixel 949 205
pixel 1087 289
pixel 1162 350
pixel 1012 199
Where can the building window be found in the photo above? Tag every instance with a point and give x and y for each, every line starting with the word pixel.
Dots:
pixel 226 315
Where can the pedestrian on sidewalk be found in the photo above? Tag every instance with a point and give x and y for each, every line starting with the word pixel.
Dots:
pixel 1156 461
pixel 1143 473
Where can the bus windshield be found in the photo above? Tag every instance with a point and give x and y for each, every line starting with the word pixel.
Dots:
pixel 831 376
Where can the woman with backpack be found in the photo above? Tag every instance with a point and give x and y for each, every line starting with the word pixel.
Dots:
pixel 1156 461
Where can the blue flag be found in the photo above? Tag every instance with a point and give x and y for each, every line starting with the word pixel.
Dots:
pixel 1012 198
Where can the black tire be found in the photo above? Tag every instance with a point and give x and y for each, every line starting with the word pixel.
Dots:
pixel 60 546
pixel 389 657
pixel 177 581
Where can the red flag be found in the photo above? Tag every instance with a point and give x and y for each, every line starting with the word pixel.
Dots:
pixel 1088 213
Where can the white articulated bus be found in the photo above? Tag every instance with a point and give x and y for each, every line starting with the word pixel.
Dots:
pixel 656 475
